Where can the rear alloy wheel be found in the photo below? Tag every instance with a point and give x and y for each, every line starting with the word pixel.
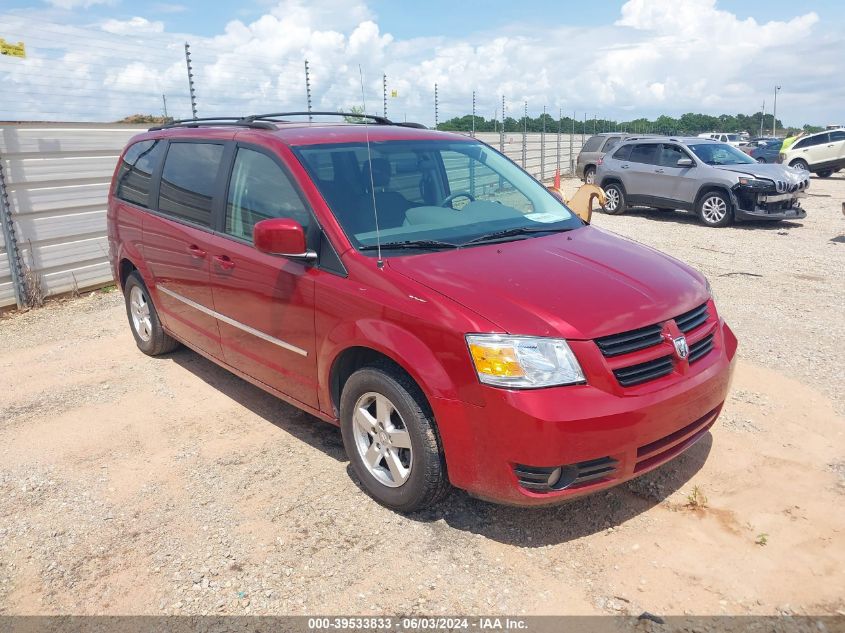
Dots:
pixel 615 199
pixel 800 163
pixel 761 160
pixel 143 319
pixel 714 208
pixel 390 438
pixel 590 175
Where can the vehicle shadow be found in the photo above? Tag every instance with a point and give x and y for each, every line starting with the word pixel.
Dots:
pixel 523 527
pixel 285 417
pixel 688 217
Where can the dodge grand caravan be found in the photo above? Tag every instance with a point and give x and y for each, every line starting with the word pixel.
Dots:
pixel 416 288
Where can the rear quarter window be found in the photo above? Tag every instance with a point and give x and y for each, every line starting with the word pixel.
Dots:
pixel 593 143
pixel 623 153
pixel 611 142
pixel 188 181
pixel 134 177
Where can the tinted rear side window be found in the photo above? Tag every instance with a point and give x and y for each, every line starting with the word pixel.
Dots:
pixel 134 177
pixel 623 153
pixel 838 135
pixel 612 142
pixel 593 143
pixel 188 181
pixel 644 154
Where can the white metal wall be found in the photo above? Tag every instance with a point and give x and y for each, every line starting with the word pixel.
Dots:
pixel 57 179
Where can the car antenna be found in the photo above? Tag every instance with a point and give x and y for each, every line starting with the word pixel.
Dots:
pixel 379 261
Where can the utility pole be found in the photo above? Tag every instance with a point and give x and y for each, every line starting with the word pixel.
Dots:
pixel 524 134
pixel 594 123
pixel 559 129
pixel 583 129
pixel 308 91
pixel 473 114
pixel 191 90
pixel 571 146
pixel 384 93
pixel 762 117
pixel 502 131
pixel 436 114
pixel 543 147
pixel 164 104
pixel 775 112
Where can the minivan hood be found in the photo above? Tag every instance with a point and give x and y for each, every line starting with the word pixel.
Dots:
pixel 767 170
pixel 579 285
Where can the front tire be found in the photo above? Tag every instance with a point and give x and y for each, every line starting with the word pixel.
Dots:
pixel 143 319
pixel 615 199
pixel 714 209
pixel 391 440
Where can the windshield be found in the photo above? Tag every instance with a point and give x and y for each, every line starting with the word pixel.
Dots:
pixel 431 192
pixel 720 154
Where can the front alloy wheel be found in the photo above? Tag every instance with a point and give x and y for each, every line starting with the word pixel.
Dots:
pixel 715 209
pixel 382 439
pixel 615 203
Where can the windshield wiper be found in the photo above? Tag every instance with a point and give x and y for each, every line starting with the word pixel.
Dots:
pixel 418 244
pixel 521 230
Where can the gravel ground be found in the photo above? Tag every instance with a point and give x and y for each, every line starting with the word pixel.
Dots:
pixel 168 486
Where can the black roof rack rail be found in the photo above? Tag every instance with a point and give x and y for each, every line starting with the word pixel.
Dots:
pixel 214 120
pixel 274 116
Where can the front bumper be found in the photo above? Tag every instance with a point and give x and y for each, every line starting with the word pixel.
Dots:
pixel 750 205
pixel 569 426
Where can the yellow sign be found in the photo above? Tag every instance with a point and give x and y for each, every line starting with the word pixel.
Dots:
pixel 394 93
pixel 13 50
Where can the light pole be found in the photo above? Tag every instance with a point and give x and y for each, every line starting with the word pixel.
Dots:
pixel 762 117
pixel 775 112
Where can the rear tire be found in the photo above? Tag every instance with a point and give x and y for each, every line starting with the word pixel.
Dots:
pixel 714 209
pixel 615 194
pixel 143 319
pixel 800 163
pixel 391 439
pixel 590 175
pixel 826 173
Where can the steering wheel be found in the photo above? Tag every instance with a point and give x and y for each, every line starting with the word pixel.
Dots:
pixel 447 201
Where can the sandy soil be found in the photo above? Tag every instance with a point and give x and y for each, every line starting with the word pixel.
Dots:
pixel 138 485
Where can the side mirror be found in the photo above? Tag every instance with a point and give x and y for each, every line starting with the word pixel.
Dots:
pixel 282 236
pixel 685 162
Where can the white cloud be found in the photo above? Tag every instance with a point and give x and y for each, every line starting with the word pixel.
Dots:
pixel 136 25
pixel 76 4
pixel 659 56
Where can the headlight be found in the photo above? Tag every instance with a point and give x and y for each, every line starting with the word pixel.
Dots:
pixel 523 361
pixel 756 183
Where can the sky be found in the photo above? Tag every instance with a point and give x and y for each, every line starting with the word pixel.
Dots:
pixel 103 59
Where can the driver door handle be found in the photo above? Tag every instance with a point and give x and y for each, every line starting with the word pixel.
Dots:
pixel 224 261
pixel 658 171
pixel 624 167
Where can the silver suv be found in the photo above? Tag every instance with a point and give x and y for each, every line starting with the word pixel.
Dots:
pixel 592 151
pixel 715 180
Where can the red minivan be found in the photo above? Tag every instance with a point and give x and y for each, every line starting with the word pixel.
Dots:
pixel 417 288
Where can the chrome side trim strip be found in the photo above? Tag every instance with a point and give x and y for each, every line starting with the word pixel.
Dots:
pixel 233 323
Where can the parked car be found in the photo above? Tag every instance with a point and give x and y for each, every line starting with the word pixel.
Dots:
pixel 425 294
pixel 764 151
pixel 595 147
pixel 715 180
pixel 822 153
pixel 730 139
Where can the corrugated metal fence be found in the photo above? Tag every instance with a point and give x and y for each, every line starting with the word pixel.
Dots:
pixel 57 179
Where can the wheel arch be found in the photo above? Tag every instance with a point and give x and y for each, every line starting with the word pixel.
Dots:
pixel 707 187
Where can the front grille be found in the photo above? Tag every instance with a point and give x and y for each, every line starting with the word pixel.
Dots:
pixel 643 372
pixel 630 341
pixel 536 478
pixel 671 445
pixel 700 349
pixel 688 321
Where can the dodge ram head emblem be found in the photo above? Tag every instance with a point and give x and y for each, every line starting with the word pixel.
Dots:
pixel 681 347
